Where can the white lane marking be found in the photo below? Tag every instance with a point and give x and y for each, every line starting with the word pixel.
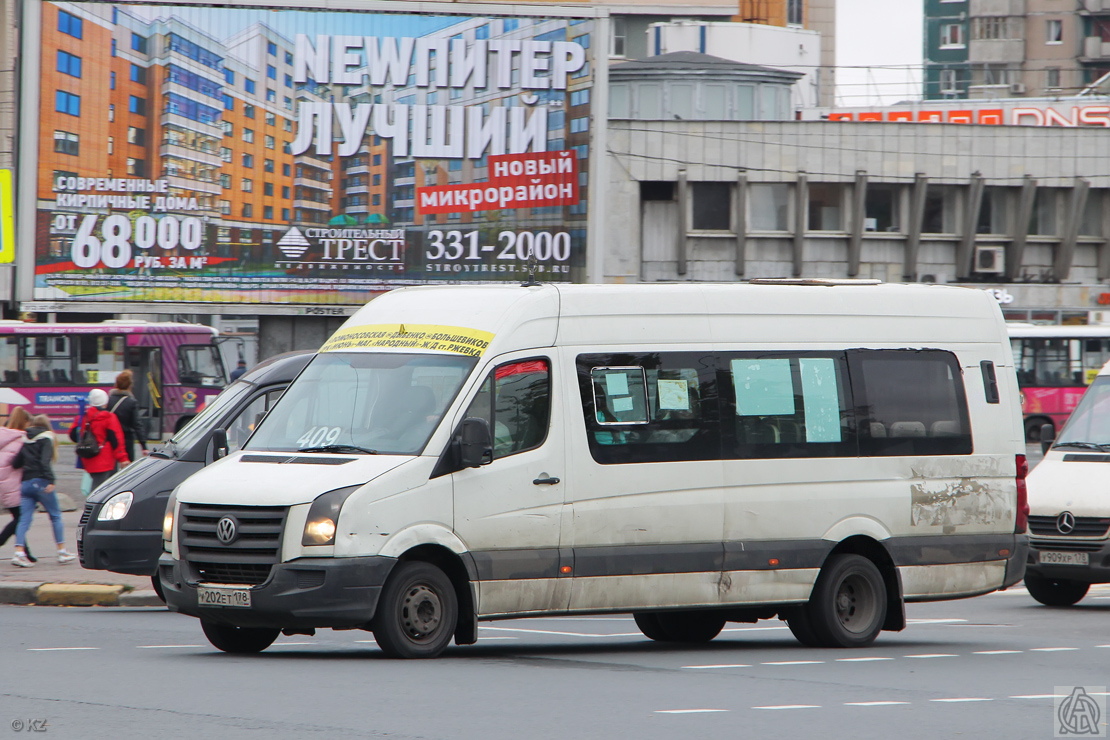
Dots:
pixel 284 644
pixel 961 699
pixel 932 655
pixel 722 665
pixel 1102 646
pixel 873 703
pixel 939 620
pixel 1038 696
pixel 794 662
pixel 157 647
pixel 1052 649
pixel 790 706
pixel 996 652
pixel 565 634
pixel 861 660
pixel 688 711
pixel 48 650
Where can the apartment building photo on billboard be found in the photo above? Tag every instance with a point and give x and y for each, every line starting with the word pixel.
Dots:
pixel 300 156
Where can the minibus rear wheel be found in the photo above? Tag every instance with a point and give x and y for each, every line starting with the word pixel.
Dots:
pixel 417 613
pixel 239 639
pixel 1055 591
pixel 848 605
pixel 688 627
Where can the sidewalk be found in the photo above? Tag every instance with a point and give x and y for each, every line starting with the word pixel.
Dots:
pixel 50 582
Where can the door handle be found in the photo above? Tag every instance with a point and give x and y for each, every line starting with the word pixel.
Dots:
pixel 545 480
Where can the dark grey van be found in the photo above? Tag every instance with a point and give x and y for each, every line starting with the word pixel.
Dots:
pixel 121 527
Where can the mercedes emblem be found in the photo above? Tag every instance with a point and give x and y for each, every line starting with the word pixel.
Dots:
pixel 1065 523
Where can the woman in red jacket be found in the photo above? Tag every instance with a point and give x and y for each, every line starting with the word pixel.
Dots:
pixel 106 428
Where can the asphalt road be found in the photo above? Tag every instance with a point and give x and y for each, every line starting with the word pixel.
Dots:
pixel 989 667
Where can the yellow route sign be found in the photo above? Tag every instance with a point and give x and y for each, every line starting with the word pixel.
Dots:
pixel 7 218
pixel 454 339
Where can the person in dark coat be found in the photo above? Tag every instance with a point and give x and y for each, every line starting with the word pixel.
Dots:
pixel 122 403
pixel 239 370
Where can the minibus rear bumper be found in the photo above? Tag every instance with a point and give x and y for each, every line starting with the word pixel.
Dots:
pixel 300 594
pixel 1097 569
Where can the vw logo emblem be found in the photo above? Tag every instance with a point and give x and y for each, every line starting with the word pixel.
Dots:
pixel 1065 523
pixel 227 529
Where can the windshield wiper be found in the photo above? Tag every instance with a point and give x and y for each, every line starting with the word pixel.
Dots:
pixel 339 448
pixel 1084 446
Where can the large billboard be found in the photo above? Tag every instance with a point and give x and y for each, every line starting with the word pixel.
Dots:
pixel 315 157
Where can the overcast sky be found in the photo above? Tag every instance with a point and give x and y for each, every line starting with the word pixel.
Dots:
pixel 878 51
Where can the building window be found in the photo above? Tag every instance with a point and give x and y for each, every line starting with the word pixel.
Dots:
pixel 949 81
pixel 939 216
pixel 994 211
pixel 66 143
pixel 271 96
pixel 271 48
pixel 376 200
pixel 248 110
pixel 225 153
pixel 1044 221
pixel 769 206
pixel 138 43
pixel 136 135
pixel 271 71
pixel 136 167
pixel 248 161
pixel 229 102
pixel 248 210
pixel 247 185
pixel 113 47
pixel 268 212
pixel 1054 31
pixel 69 103
pixel 229 76
pixel 1052 77
pixel 289 80
pixel 248 84
pixel 284 191
pixel 995 27
pixel 68 64
pixel 111 145
pixel 794 13
pixel 711 204
pixel 881 208
pixel 268 141
pixel 111 80
pixel 137 105
pixel 225 180
pixel 825 206
pixel 271 119
pixel 286 170
pixel 111 112
pixel 267 165
pixel 267 188
pixel 248 135
pixel 70 24
pixel 287 103
pixel 952 35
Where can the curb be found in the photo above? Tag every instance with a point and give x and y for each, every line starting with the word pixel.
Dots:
pixel 74 594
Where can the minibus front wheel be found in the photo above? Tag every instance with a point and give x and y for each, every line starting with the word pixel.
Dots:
pixel 1055 591
pixel 417 613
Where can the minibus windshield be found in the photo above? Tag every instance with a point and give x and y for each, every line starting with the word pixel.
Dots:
pixel 363 402
pixel 1089 425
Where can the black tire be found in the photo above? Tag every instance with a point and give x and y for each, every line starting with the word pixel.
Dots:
pixel 691 627
pixel 417 613
pixel 239 639
pixel 156 582
pixel 1033 428
pixel 1055 591
pixel 848 605
pixel 801 627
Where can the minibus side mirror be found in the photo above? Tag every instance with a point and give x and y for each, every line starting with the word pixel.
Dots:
pixel 219 444
pixel 1048 436
pixel 475 443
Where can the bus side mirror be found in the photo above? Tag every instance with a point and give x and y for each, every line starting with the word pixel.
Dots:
pixel 219 444
pixel 475 443
pixel 1048 436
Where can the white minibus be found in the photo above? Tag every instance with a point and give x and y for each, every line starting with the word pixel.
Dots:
pixel 817 451
pixel 1069 511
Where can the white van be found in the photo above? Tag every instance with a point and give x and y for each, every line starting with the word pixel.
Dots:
pixel 1069 511
pixel 693 454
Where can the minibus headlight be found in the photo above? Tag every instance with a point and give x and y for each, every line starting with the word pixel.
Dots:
pixel 167 520
pixel 116 507
pixel 323 517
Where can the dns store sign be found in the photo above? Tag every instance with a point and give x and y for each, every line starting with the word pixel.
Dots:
pixel 1070 117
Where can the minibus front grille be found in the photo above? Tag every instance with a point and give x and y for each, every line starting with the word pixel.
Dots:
pixel 241 573
pixel 1085 526
pixel 256 539
pixel 1067 545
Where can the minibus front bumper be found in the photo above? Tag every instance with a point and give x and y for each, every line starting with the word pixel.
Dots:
pixel 300 594
pixel 1095 552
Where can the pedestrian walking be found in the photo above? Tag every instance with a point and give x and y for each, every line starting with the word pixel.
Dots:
pixel 11 478
pixel 107 432
pixel 37 458
pixel 122 403
pixel 239 370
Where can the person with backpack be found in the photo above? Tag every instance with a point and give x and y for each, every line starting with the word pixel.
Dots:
pixel 122 403
pixel 37 459
pixel 100 439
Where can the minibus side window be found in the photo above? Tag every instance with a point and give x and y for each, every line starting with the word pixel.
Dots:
pixel 910 402
pixel 515 399
pixel 655 407
pixel 784 405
